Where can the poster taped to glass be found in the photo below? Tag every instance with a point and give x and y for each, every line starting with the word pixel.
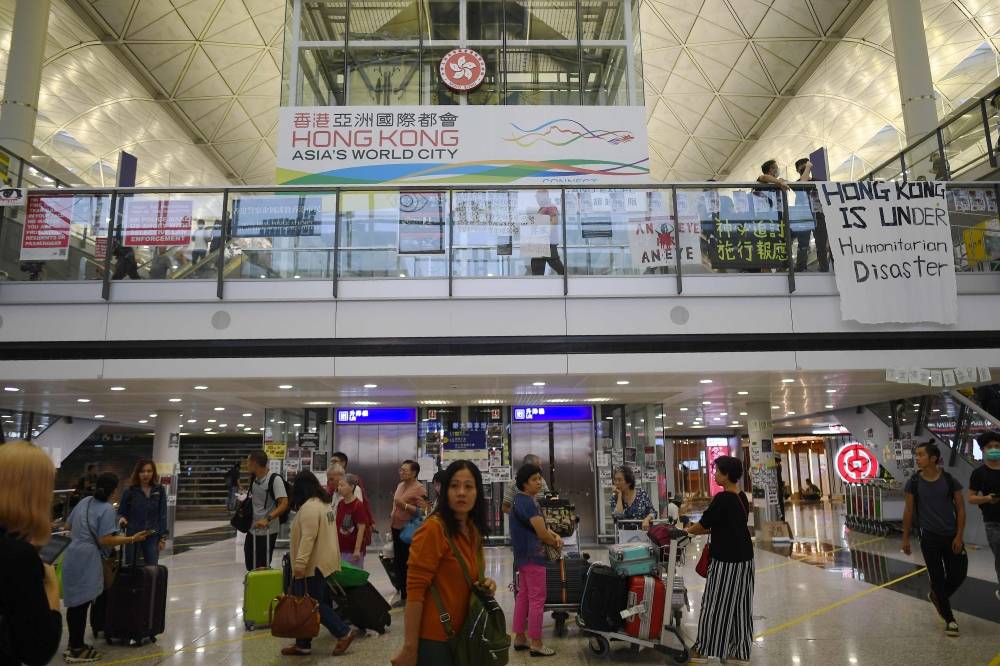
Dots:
pixel 421 222
pixel 159 222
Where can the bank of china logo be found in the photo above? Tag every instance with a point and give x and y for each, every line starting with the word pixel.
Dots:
pixel 564 131
pixel 462 69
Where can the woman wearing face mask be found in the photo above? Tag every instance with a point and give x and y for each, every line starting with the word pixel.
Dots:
pixel 143 508
pixel 410 497
pixel 459 519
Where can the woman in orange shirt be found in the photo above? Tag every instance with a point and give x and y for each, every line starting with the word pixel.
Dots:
pixel 463 518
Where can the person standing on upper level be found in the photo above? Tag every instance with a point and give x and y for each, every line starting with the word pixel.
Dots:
pixel 547 207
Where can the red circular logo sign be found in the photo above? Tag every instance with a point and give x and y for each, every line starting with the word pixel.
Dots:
pixel 462 69
pixel 855 463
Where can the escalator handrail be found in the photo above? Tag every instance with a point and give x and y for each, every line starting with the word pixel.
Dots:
pixel 957 396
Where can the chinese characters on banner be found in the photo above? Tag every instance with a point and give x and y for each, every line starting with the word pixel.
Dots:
pixel 157 222
pixel 748 244
pixel 47 225
pixel 276 217
pixel 469 144
pixel 892 245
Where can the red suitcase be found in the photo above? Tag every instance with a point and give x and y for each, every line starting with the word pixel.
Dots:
pixel 647 596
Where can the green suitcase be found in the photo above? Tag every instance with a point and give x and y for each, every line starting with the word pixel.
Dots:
pixel 259 587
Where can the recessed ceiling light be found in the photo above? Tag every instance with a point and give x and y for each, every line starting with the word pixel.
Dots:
pixel 174 400
pixel 143 421
pixel 360 403
pixel 827 406
pixel 98 416
pixel 716 419
pixel 281 423
pixel 223 425
pixel 207 429
pixel 743 413
pixel 200 387
pixel 680 423
pixel 790 413
pixel 248 414
pixel 296 425
pixel 431 402
pixel 935 410
pixel 609 418
pixel 707 402
pixel 831 390
pixel 743 393
pixel 723 413
pixel 315 403
pixel 83 399
pixel 117 388
pixel 597 400
pixel 247 429
pixel 736 422
pixel 704 381
pixel 192 420
pixel 11 389
pixel 152 416
pixel 371 386
pixel 623 382
pixel 787 381
pixel 557 400
pixel 211 421
pixel 698 426
pixel 775 407
pixel 285 387
pixel 220 409
pixel 684 409
pixel 495 401
pixel 538 383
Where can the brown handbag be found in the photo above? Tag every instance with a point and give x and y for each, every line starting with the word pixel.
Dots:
pixel 294 616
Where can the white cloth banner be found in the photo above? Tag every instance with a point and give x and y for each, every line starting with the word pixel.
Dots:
pixel 533 239
pixel 652 241
pixel 892 247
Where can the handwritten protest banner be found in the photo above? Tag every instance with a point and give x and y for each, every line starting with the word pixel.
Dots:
pixel 892 248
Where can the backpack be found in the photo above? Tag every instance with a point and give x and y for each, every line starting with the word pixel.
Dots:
pixel 283 518
pixel 483 639
pixel 242 518
pixel 953 487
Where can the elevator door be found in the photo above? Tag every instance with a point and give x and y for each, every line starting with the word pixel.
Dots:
pixel 572 474
pixel 375 453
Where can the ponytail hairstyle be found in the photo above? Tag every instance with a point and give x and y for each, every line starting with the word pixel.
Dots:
pixel 105 487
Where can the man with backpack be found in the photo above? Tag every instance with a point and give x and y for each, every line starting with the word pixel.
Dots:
pixel 935 496
pixel 270 504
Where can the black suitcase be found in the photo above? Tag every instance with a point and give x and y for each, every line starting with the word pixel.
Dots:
pixel 136 604
pixel 605 595
pixel 389 564
pixel 564 580
pixel 363 607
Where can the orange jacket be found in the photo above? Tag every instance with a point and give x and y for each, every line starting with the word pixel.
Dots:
pixel 431 560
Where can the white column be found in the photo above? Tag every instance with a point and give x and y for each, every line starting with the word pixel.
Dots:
pixel 166 440
pixel 760 429
pixel 913 68
pixel 19 106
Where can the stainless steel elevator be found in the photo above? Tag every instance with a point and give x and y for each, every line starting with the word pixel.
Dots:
pixel 567 453
pixel 375 453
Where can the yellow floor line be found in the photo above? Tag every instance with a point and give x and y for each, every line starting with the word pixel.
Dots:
pixel 186 648
pixel 202 566
pixel 837 604
pixel 835 550
pixel 996 660
pixel 178 611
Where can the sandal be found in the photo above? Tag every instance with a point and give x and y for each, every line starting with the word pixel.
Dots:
pixel 544 652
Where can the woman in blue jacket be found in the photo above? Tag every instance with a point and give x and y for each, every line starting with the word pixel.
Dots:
pixel 143 508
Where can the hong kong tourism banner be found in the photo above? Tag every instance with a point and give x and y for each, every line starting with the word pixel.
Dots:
pixel 462 144
pixel 892 251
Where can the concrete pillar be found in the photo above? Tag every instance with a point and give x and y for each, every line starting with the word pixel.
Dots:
pixel 166 455
pixel 760 429
pixel 913 68
pixel 19 107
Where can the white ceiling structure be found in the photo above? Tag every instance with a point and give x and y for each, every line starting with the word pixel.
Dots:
pixel 692 403
pixel 193 86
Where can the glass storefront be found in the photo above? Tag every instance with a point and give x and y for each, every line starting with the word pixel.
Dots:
pixel 387 52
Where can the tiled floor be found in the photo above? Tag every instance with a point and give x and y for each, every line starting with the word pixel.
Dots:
pixel 839 599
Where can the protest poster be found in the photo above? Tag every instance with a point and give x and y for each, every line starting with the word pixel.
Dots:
pixel 748 244
pixel 653 241
pixel 47 220
pixel 892 245
pixel 161 222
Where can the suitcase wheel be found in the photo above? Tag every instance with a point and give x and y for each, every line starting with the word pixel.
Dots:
pixel 560 628
pixel 250 626
pixel 599 645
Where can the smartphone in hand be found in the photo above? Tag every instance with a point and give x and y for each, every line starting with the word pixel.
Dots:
pixel 51 551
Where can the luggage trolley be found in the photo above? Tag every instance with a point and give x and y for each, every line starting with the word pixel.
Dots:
pixel 600 641
pixel 678 596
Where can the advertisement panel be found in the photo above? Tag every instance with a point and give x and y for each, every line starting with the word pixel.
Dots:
pixel 462 144
pixel 716 447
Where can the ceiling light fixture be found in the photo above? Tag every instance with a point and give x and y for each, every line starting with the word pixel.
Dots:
pixel 704 381
pixel 597 400
pixel 371 386
pixel 315 403
pixel 743 413
pixel 11 389
pixel 827 406
pixel 360 403
pixel 787 381
pixel 831 390
pixel 192 420
pixel 430 402
pixel 143 421
pixel 285 387
pixel 790 413
pixel 220 409
pixel 174 400
pixel 249 414
pixel 98 416
pixel 152 416
pixel 706 402
pixel 557 400
pixel 743 393
pixel 200 387
pixel 775 407
pixel 684 409
pixel 117 388
pixel 494 401
pixel 83 399
pixel 538 383
pixel 623 382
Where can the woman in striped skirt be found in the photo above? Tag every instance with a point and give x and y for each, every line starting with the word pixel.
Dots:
pixel 725 625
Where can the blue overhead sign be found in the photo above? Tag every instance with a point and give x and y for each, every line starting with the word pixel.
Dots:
pixel 379 415
pixel 553 413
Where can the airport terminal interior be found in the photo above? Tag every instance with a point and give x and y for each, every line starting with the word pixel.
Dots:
pixel 684 263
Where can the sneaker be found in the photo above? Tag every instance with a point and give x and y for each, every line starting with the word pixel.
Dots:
pixel 951 629
pixel 344 643
pixel 296 651
pixel 85 655
pixel 542 652
pixel 931 597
